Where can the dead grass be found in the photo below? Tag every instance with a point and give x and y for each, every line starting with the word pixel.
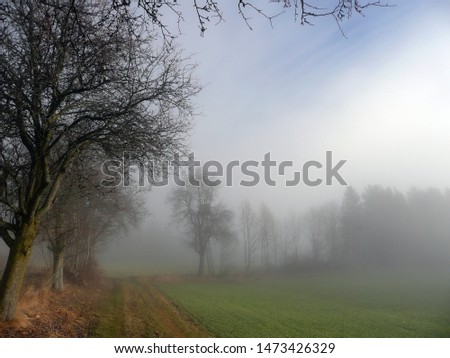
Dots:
pixel 43 313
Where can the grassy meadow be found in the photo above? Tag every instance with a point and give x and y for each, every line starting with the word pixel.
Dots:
pixel 335 305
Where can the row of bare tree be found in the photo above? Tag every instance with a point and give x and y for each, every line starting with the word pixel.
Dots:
pixel 83 216
pixel 380 228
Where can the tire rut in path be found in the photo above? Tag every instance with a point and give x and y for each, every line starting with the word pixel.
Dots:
pixel 136 308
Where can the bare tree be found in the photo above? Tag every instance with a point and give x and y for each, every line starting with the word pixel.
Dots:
pixel 211 11
pixel 204 218
pixel 227 253
pixel 315 230
pixel 322 230
pixel 333 239
pixel 267 236
pixel 351 226
pixel 248 223
pixel 294 230
pixel 73 79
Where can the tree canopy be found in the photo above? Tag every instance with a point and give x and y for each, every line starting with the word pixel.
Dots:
pixel 158 12
pixel 75 78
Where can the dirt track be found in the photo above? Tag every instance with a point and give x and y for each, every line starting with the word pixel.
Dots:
pixel 136 308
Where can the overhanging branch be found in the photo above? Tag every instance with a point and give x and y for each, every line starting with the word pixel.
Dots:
pixel 5 228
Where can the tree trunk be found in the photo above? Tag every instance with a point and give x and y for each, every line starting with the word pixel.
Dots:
pixel 247 256
pixel 201 263
pixel 14 275
pixel 58 269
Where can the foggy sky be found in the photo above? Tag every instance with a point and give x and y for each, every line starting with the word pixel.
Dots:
pixel 377 97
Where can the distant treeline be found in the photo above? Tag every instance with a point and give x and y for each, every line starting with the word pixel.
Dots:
pixel 381 227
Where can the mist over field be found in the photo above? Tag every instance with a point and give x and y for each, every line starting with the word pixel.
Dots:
pixel 375 97
pixel 331 143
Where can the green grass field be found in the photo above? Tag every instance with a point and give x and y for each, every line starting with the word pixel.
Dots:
pixel 382 305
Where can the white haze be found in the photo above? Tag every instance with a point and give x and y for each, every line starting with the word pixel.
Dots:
pixel 378 99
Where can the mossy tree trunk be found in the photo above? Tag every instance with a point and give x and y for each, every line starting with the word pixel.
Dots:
pixel 14 275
